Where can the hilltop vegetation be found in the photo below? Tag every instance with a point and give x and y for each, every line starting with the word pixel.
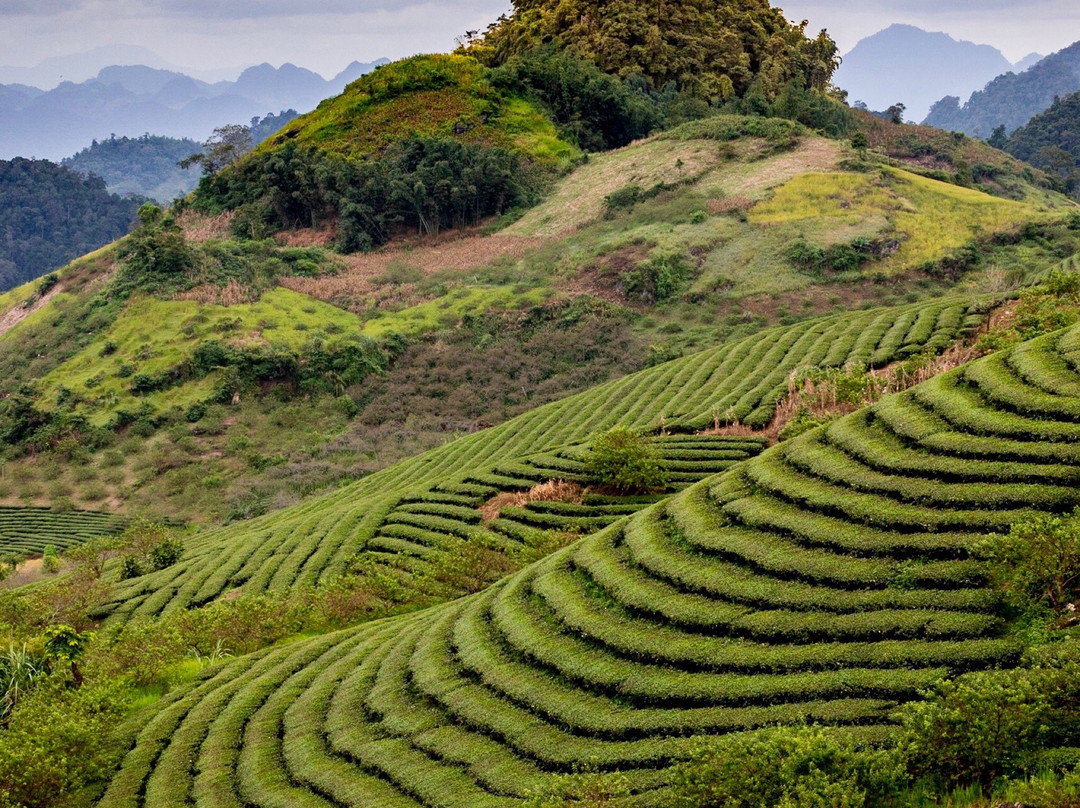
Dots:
pixel 715 50
pixel 1050 142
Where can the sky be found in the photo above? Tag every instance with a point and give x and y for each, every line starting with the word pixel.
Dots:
pixel 222 36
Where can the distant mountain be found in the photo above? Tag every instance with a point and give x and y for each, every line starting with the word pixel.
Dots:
pixel 1012 99
pixel 1051 141
pixel 1028 61
pixel 50 215
pixel 132 100
pixel 915 67
pixel 80 66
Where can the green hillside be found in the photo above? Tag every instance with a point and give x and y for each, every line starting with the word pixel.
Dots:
pixel 188 397
pixel 828 579
pixel 736 382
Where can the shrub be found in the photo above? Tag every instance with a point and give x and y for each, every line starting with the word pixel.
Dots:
pixel 626 461
pixel 1038 561
pixel 972 730
pixel 50 560
pixel 787 768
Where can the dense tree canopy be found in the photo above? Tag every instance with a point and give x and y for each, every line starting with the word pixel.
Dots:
pixel 50 215
pixel 1051 141
pixel 717 49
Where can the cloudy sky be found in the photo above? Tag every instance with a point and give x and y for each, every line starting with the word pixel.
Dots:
pixel 325 35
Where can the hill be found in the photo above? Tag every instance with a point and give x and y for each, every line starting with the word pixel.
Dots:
pixel 908 65
pixel 1011 100
pixel 1050 142
pixel 51 215
pixel 148 166
pixel 726 233
pixel 827 580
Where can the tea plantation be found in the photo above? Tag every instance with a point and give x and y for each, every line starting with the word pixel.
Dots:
pixel 828 579
pixel 28 531
pixel 738 382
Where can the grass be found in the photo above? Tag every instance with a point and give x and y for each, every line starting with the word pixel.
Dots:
pixel 930 219
pixel 152 336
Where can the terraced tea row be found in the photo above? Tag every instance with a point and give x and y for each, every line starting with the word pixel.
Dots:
pixel 828 579
pixel 740 381
pixel 420 528
pixel 28 531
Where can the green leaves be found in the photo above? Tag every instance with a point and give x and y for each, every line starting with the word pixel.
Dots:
pixel 626 461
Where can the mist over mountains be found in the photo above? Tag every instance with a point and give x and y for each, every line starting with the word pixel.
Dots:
pixel 915 67
pixel 132 100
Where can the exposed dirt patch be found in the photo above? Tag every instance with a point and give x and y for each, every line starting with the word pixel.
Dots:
pixel 13 317
pixel 323 236
pixel 602 278
pixel 551 491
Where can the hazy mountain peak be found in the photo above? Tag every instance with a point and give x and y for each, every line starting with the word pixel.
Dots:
pixel 903 63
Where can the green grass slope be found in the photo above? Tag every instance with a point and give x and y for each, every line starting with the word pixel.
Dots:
pixel 828 579
pixel 740 381
pixel 425 96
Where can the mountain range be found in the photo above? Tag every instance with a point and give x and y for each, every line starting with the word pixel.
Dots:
pixel 905 64
pixel 131 100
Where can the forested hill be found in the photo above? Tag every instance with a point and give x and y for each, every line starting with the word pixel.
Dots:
pixel 1013 99
pixel 718 49
pixel 1051 141
pixel 149 165
pixel 50 215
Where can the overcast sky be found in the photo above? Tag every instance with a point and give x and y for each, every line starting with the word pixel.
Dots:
pixel 325 35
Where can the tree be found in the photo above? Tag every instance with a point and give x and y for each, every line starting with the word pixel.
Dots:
pixel 1000 138
pixel 796 767
pixel 64 644
pixel 860 143
pixel 896 112
pixel 971 730
pixel 1038 561
pixel 223 148
pixel 626 461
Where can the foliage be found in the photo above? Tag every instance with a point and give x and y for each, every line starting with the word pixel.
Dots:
pixel 50 559
pixel 713 49
pixel 789 768
pixel 156 257
pixel 1050 141
pixel 148 546
pixel 657 280
pixel 593 109
pixel 53 215
pixel 1038 561
pixel 20 670
pixel 625 460
pixel 224 147
pixel 422 184
pixel 58 740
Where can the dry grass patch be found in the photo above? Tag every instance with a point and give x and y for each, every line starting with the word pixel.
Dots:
pixel 200 228
pixel 551 491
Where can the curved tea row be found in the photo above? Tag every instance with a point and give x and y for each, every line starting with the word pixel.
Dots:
pixel 740 381
pixel 828 579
